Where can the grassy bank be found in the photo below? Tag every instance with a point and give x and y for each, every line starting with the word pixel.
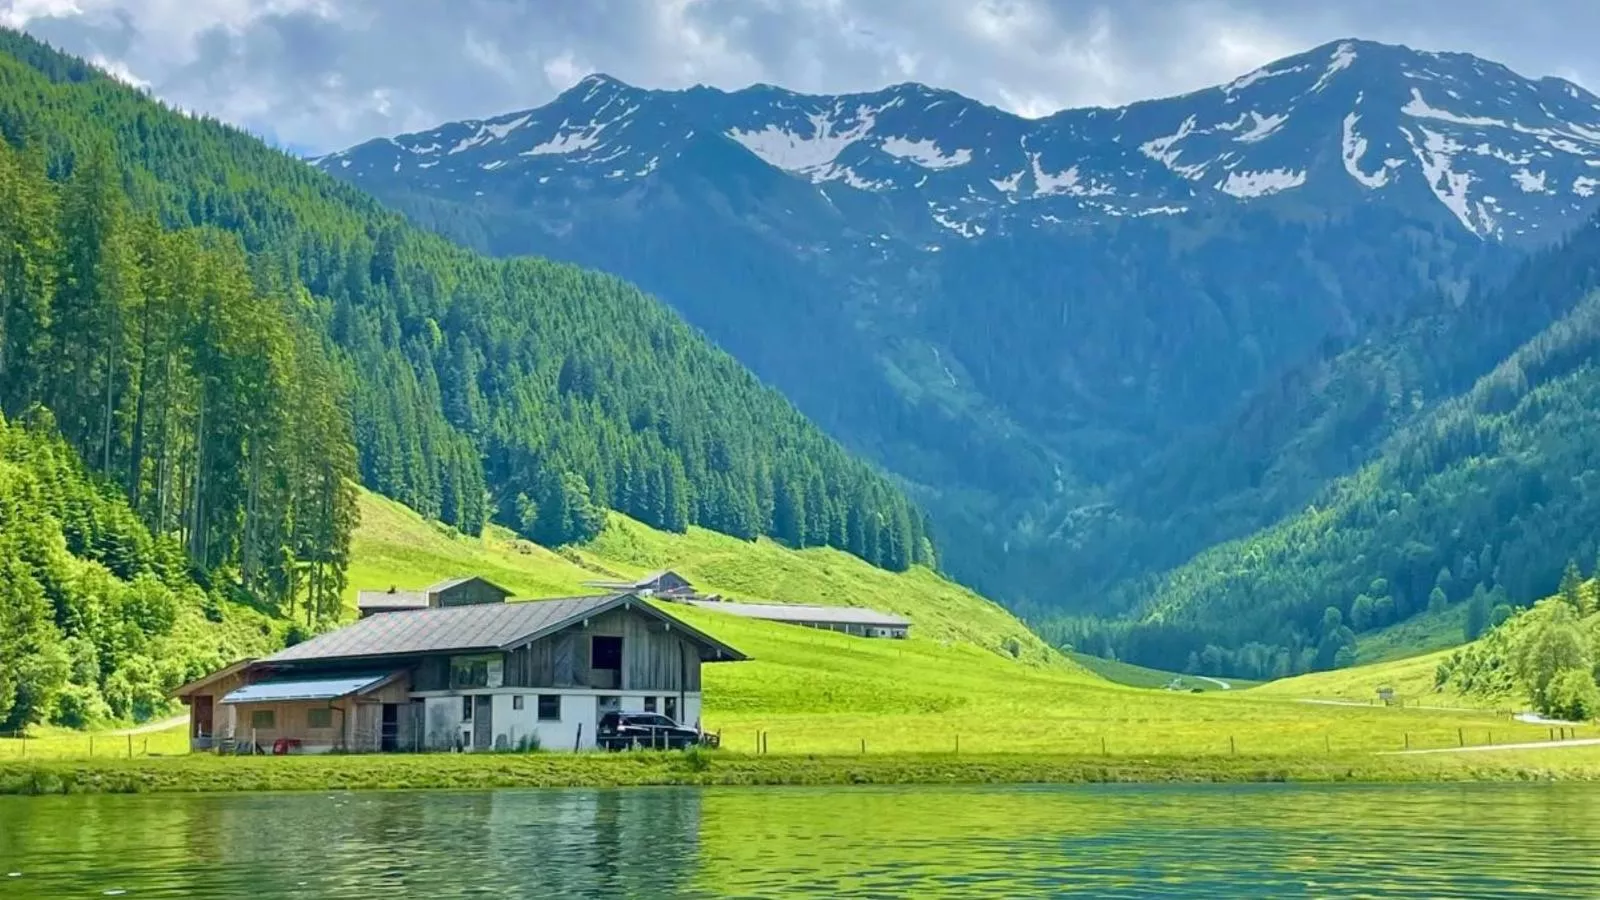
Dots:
pixel 466 771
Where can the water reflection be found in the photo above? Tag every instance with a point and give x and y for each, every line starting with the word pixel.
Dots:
pixel 1213 841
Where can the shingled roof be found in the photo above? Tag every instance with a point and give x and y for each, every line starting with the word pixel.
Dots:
pixel 477 628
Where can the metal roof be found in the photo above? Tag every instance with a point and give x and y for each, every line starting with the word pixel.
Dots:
pixel 391 599
pixel 449 583
pixel 327 688
pixel 785 612
pixel 480 627
pixel 485 626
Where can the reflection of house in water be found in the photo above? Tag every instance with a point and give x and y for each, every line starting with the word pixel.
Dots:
pixel 467 671
pixel 526 843
pixel 856 620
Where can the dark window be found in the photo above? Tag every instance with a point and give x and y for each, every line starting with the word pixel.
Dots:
pixel 549 707
pixel 672 708
pixel 469 673
pixel 263 718
pixel 516 701
pixel 466 709
pixel 649 704
pixel 605 652
pixel 319 718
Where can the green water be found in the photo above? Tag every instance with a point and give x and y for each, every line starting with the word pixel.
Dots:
pixel 1211 841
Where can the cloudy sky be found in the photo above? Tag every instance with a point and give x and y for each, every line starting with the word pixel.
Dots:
pixel 319 75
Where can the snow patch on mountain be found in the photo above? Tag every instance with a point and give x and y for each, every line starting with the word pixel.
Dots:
pixel 1067 182
pixel 1435 154
pixel 1353 148
pixel 1344 56
pixel 1530 182
pixel 1009 184
pixel 793 152
pixel 568 140
pixel 1262 127
pixel 1419 108
pixel 1161 150
pixel 925 153
pixel 1260 184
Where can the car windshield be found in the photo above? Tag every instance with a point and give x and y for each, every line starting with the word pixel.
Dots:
pixel 649 719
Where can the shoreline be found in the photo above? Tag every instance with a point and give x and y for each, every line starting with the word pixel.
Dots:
pixel 211 774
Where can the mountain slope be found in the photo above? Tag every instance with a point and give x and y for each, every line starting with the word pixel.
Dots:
pixel 98 618
pixel 1482 498
pixel 1015 315
pixel 395 546
pixel 533 393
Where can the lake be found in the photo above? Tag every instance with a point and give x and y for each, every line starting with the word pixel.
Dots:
pixel 1113 841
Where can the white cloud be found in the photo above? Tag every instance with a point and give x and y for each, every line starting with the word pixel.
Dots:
pixel 324 74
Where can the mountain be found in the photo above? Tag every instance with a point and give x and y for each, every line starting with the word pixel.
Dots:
pixel 209 342
pixel 1475 489
pixel 533 393
pixel 1030 321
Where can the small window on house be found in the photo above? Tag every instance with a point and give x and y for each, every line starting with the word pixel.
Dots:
pixel 516 701
pixel 469 672
pixel 672 707
pixel 263 718
pixel 466 709
pixel 649 704
pixel 605 652
pixel 549 707
pixel 319 718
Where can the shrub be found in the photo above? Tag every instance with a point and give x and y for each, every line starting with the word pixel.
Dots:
pixel 1573 695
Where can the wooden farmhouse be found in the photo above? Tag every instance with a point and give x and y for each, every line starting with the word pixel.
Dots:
pixel 477 675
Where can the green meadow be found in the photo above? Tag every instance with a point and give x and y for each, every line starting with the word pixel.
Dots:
pixel 971 689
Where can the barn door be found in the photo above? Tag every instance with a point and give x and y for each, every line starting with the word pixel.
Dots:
pixel 482 722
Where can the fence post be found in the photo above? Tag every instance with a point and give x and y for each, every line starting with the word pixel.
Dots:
pixel 130 746
pixel 863 746
pixel 1232 747
pixel 958 742
pixel 1461 736
pixel 1103 746
pixel 1408 740
pixel 91 746
pixel 577 739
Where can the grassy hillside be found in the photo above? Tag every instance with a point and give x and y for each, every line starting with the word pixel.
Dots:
pixel 1411 678
pixel 1139 676
pixel 956 681
pixel 1426 633
pixel 395 546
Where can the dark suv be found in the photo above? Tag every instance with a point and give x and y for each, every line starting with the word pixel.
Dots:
pixel 621 730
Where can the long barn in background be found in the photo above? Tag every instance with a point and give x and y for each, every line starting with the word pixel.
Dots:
pixel 854 620
pixel 857 620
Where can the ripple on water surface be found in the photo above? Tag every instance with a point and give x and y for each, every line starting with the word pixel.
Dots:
pixel 1125 841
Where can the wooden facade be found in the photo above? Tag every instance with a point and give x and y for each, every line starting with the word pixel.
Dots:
pixel 466 592
pixel 654 657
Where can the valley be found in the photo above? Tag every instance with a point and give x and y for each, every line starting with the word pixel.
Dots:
pixel 239 390
pixel 1113 352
